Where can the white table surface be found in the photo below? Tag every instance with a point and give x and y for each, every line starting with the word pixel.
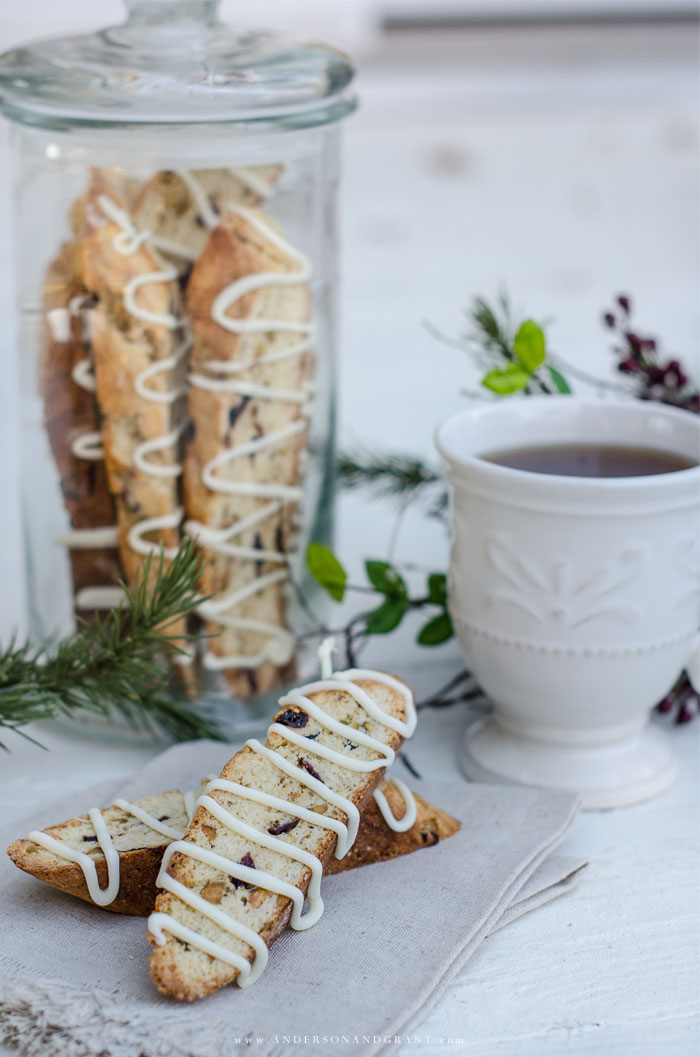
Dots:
pixel 565 167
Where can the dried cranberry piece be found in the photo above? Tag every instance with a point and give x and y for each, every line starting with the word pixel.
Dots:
pixel 310 768
pixel 236 411
pixel 247 860
pixel 292 718
pixel 283 827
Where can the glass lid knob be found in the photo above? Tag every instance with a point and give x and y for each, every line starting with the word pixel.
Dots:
pixel 163 12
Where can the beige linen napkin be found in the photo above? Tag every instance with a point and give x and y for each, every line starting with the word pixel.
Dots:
pixel 74 979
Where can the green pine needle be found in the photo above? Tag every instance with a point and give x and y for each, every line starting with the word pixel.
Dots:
pixel 492 334
pixel 386 475
pixel 116 666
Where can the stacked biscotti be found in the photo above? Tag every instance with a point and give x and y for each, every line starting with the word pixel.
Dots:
pixel 175 376
pixel 71 417
pixel 141 848
pixel 257 839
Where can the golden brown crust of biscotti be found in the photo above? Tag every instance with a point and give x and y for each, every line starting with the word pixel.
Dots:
pixel 377 843
pixel 69 411
pixel 140 851
pixel 138 872
pixel 222 420
pixel 139 867
pixel 187 973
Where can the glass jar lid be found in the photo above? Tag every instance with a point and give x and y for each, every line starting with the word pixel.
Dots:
pixel 172 62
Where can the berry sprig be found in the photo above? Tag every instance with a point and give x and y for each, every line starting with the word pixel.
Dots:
pixel 682 701
pixel 638 358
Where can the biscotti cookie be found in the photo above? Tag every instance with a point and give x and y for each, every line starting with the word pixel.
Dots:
pixel 249 304
pixel 140 847
pixel 139 342
pixel 110 857
pixel 67 387
pixel 180 208
pixel 262 835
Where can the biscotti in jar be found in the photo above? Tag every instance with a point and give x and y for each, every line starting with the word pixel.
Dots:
pixel 177 248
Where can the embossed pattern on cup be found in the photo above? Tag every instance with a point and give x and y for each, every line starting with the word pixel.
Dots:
pixel 577 600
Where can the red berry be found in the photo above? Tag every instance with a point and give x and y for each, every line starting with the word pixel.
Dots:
pixel 685 714
pixel 674 374
pixel 634 342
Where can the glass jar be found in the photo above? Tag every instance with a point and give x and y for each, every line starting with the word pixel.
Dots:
pixel 176 248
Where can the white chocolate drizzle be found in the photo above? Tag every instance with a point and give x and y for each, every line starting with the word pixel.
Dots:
pixel 127 241
pixel 100 598
pixel 278 643
pixel 200 198
pixel 88 446
pixel 60 325
pixel 399 825
pixel 154 524
pixel 103 897
pixel 254 182
pixel 161 923
pixel 84 376
pixel 89 539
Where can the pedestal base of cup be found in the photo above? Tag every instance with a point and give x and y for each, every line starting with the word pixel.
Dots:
pixel 605 776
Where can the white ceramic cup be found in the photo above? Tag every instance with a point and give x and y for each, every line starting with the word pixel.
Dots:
pixel 577 600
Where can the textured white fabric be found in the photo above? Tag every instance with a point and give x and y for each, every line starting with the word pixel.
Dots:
pixel 74 979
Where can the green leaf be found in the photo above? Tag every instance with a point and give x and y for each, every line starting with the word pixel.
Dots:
pixel 437 630
pixel 529 345
pixel 387 617
pixel 560 383
pixel 506 380
pixel 386 579
pixel 437 588
pixel 326 570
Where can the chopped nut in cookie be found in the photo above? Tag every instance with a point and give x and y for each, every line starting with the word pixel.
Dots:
pixel 214 892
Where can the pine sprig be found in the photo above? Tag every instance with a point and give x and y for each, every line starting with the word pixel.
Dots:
pixel 386 475
pixel 495 336
pixel 116 666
